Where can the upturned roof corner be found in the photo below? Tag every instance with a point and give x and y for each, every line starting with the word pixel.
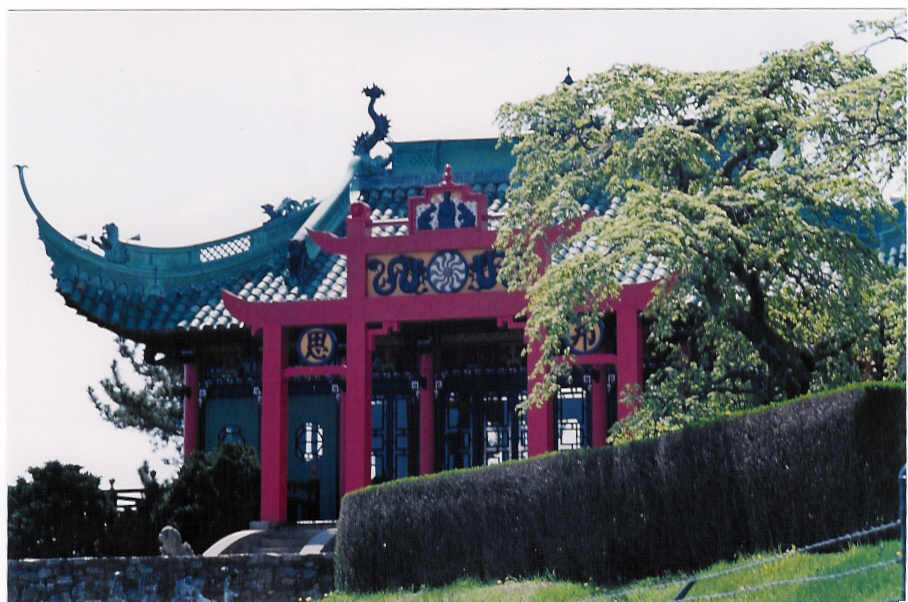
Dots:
pixel 136 289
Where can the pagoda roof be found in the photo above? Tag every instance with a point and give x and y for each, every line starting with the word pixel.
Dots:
pixel 137 290
pixel 147 292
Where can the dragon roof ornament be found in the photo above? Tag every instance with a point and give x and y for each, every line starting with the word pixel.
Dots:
pixel 365 142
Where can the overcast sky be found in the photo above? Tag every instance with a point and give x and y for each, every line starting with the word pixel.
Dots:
pixel 179 125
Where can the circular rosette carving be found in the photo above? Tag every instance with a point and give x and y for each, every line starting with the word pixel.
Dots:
pixel 447 272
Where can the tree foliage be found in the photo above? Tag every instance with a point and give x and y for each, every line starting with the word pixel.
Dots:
pixel 61 512
pixel 889 29
pixel 215 493
pixel 135 530
pixel 727 180
pixel 155 409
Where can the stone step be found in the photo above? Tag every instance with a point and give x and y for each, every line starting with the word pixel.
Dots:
pixel 282 539
pixel 275 550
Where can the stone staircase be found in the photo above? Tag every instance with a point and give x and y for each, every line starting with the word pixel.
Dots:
pixel 306 538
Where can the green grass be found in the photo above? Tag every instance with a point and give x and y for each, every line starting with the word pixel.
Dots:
pixel 876 584
pixel 539 589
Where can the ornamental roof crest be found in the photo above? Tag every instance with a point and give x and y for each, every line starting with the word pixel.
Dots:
pixel 448 205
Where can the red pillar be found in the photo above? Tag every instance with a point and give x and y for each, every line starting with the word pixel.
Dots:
pixel 540 419
pixel 599 418
pixel 190 409
pixel 341 442
pixel 630 354
pixel 426 415
pixel 274 426
pixel 356 411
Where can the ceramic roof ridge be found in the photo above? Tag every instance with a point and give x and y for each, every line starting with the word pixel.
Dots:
pixel 172 261
pixel 393 143
pixel 396 180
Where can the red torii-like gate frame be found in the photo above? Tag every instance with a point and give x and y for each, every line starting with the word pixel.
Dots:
pixel 360 312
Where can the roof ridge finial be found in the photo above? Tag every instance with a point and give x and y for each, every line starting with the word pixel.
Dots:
pixel 365 141
pixel 568 80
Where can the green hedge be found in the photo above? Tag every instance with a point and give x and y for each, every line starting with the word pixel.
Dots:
pixel 791 474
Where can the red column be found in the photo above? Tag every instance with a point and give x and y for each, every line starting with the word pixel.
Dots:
pixel 190 409
pixel 274 426
pixel 426 415
pixel 630 354
pixel 540 419
pixel 341 442
pixel 356 411
pixel 599 418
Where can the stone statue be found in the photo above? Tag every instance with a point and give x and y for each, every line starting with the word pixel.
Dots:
pixel 172 543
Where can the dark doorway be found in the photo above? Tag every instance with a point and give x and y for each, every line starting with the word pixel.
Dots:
pixel 312 454
pixel 477 418
pixel 395 426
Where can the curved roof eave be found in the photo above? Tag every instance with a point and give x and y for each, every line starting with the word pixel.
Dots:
pixel 133 264
pixel 138 290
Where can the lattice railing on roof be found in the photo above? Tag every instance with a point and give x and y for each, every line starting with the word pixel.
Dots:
pixel 228 248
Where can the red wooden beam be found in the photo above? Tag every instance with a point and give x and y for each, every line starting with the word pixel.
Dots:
pixel 190 408
pixel 599 412
pixel 421 240
pixel 426 415
pixel 325 370
pixel 289 313
pixel 356 411
pixel 595 359
pixel 274 427
pixel 386 327
pixel 328 242
pixel 375 309
pixel 540 419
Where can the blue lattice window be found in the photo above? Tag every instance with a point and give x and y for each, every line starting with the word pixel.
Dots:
pixel 572 418
pixel 394 420
pixel 309 442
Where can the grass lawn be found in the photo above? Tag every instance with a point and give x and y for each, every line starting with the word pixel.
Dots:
pixel 875 584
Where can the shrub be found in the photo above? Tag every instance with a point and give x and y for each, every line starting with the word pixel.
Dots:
pixel 214 494
pixel 791 474
pixel 135 530
pixel 61 512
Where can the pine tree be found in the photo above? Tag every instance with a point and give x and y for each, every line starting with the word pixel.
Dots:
pixel 155 409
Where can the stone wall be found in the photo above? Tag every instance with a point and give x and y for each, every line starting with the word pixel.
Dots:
pixel 223 578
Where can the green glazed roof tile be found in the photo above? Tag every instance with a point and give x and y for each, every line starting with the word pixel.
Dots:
pixel 184 294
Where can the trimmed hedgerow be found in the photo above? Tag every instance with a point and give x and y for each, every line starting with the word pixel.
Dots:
pixel 790 474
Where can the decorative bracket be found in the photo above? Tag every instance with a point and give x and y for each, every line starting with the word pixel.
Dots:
pixel 511 323
pixel 385 328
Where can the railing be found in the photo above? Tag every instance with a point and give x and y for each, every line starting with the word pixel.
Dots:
pixel 169 261
pixel 229 248
pixel 126 498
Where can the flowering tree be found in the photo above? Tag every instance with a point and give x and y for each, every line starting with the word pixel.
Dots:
pixel 730 180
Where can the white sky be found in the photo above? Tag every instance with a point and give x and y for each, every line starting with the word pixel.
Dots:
pixel 179 125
